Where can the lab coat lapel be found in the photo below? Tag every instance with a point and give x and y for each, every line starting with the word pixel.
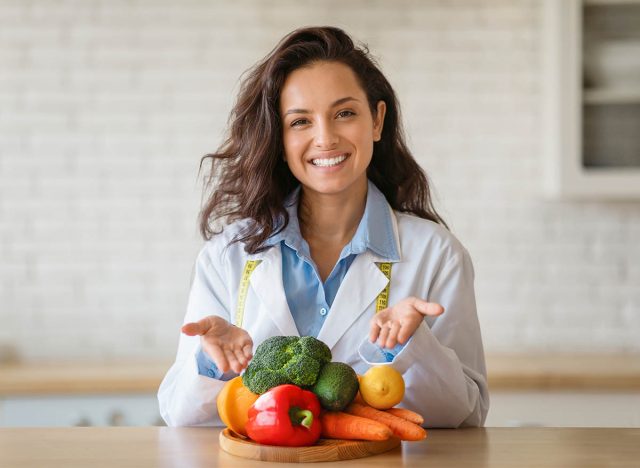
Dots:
pixel 266 281
pixel 358 290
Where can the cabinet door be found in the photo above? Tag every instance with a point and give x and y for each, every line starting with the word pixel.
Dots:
pixel 117 410
pixel 591 54
pixel 564 409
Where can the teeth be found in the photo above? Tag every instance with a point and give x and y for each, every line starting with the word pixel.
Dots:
pixel 329 162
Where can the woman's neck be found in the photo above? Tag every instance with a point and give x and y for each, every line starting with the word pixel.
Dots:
pixel 331 219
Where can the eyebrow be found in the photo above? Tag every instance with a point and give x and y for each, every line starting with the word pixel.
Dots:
pixel 334 104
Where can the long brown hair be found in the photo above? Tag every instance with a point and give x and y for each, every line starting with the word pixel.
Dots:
pixel 248 178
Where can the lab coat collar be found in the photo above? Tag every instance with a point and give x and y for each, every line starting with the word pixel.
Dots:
pixel 266 281
pixel 358 290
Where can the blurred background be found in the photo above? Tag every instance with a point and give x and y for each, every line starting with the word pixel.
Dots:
pixel 107 106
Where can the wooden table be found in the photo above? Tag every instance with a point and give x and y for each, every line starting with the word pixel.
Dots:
pixel 198 447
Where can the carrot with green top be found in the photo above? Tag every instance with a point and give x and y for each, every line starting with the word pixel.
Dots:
pixel 405 414
pixel 403 429
pixel 339 425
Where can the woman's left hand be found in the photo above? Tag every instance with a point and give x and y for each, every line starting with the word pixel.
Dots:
pixel 397 324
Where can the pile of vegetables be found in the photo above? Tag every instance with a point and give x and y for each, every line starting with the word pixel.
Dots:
pixel 291 394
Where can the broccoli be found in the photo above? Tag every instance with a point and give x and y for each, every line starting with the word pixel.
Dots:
pixel 286 359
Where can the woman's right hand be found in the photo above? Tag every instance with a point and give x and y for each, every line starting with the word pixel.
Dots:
pixel 230 347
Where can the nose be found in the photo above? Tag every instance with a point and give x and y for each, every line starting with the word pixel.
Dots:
pixel 325 136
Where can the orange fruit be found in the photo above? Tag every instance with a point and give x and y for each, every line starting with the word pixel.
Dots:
pixel 234 401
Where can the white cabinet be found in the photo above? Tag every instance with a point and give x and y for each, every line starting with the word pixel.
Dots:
pixel 591 137
pixel 564 409
pixel 35 394
pixel 79 410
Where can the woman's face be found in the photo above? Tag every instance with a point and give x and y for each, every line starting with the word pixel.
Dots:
pixel 328 129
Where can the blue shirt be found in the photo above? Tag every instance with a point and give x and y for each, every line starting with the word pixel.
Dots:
pixel 310 299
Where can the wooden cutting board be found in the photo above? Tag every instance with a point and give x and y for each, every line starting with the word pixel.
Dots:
pixel 324 450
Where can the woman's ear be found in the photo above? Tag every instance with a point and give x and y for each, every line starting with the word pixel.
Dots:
pixel 378 120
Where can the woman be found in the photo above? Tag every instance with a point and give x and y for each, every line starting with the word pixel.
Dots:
pixel 330 232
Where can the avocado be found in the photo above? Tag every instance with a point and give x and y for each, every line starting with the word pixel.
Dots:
pixel 336 386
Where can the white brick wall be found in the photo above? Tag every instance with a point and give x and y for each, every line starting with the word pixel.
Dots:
pixel 107 106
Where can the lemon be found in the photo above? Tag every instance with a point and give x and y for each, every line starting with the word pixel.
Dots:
pixel 382 387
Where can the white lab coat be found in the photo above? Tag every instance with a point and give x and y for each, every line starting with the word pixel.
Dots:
pixel 443 364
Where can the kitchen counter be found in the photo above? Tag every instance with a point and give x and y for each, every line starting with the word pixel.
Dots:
pixel 599 372
pixel 81 378
pixel 505 372
pixel 195 447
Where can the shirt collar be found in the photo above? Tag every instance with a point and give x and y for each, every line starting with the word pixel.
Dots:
pixel 291 233
pixel 376 231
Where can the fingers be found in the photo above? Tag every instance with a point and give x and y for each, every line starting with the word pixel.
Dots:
pixel 405 333
pixel 196 328
pixel 374 331
pixel 218 355
pixel 240 359
pixel 248 351
pixel 232 357
pixel 408 328
pixel 428 308
pixel 241 351
pixel 377 323
pixel 242 354
pixel 392 335
pixel 384 334
pixel 242 348
pixel 234 364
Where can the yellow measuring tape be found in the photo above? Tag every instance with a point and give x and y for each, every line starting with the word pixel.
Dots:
pixel 244 288
pixel 382 300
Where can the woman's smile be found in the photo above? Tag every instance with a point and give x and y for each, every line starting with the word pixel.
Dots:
pixel 330 161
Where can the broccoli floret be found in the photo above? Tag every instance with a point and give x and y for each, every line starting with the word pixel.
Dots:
pixel 270 353
pixel 286 359
pixel 310 346
pixel 302 370
pixel 262 379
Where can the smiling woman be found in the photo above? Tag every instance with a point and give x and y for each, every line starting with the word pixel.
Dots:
pixel 328 232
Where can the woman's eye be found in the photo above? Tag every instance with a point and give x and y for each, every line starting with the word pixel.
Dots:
pixel 297 123
pixel 346 113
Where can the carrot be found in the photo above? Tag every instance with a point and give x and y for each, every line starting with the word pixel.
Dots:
pixel 401 428
pixel 406 414
pixel 339 425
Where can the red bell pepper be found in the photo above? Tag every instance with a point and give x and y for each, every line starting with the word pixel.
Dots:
pixel 285 415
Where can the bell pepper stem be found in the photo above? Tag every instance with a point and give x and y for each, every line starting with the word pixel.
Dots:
pixel 307 418
pixel 300 416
